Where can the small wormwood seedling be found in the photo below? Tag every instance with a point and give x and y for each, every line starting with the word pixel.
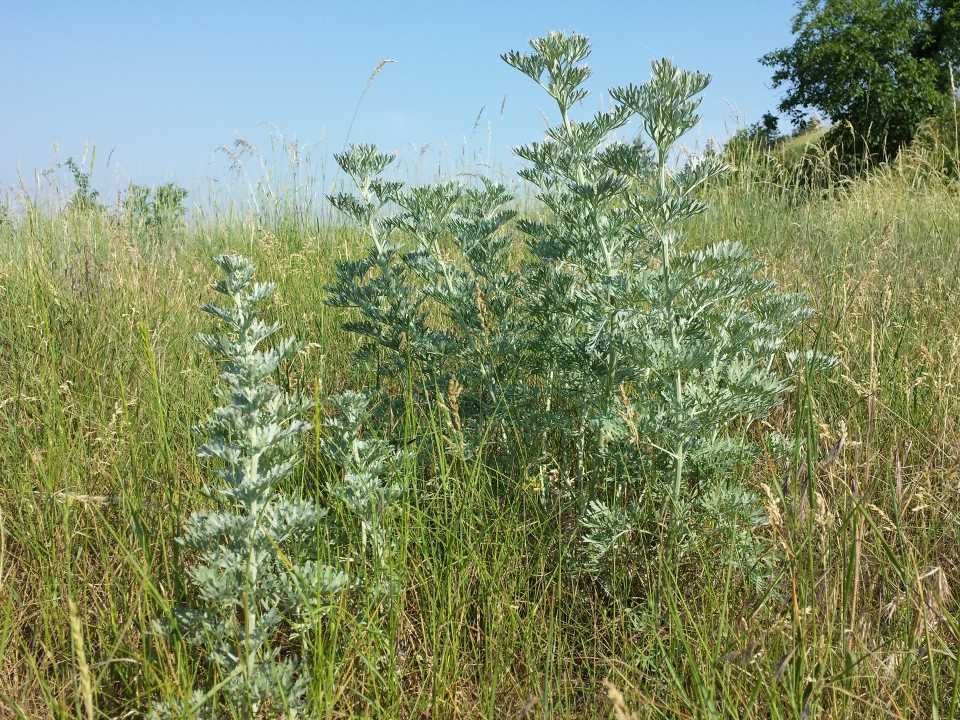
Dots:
pixel 257 565
pixel 368 488
pixel 634 364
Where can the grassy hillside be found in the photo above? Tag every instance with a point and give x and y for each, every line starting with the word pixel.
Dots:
pixel 103 378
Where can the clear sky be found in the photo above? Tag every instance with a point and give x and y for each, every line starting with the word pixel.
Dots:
pixel 159 86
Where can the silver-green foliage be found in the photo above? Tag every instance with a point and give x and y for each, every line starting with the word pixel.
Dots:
pixel 655 343
pixel 670 352
pixel 257 551
pixel 369 487
pixel 440 250
pixel 637 362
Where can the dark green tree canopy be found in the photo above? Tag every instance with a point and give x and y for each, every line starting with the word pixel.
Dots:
pixel 878 67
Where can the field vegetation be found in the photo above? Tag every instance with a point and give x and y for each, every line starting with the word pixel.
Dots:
pixel 528 557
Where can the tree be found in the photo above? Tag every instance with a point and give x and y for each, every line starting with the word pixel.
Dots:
pixel 878 68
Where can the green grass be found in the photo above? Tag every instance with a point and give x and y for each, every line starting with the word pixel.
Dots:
pixel 102 379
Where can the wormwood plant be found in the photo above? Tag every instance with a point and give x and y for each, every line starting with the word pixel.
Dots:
pixel 632 363
pixel 84 197
pixel 257 551
pixel 154 211
pixel 669 352
pixel 369 488
pixel 437 250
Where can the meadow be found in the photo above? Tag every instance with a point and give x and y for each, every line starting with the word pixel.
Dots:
pixel 103 379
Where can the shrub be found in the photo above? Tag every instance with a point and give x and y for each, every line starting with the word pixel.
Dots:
pixel 369 488
pixel 257 550
pixel 259 557
pixel 155 215
pixel 458 268
pixel 84 197
pixel 635 365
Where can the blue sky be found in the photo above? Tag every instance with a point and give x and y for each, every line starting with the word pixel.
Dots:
pixel 158 87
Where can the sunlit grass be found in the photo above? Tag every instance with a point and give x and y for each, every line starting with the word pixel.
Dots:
pixel 103 379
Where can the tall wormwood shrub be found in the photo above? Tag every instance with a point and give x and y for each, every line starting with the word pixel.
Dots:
pixel 256 552
pixel 629 361
pixel 669 353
